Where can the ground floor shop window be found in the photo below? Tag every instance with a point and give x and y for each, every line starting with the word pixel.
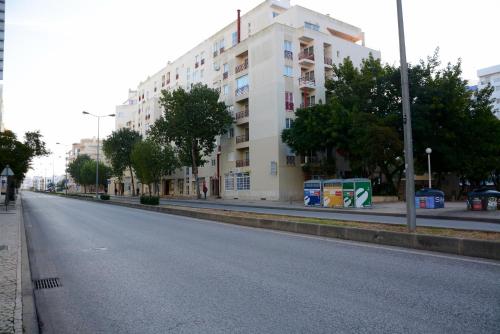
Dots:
pixel 243 181
pixel 229 182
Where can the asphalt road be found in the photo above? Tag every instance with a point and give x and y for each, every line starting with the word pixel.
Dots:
pixel 381 219
pixel 130 271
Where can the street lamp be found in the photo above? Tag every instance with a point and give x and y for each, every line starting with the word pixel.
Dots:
pixel 408 141
pixel 97 162
pixel 428 150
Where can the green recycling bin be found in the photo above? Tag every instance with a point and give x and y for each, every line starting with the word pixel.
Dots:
pixel 362 193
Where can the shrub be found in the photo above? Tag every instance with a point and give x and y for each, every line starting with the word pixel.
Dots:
pixel 105 197
pixel 150 200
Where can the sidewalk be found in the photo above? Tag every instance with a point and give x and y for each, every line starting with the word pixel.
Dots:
pixel 10 269
pixel 452 210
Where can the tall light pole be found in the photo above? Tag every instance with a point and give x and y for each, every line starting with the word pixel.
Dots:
pixel 428 150
pixel 97 162
pixel 408 141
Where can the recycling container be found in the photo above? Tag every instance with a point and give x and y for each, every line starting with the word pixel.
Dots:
pixel 427 198
pixel 332 193
pixel 312 192
pixel 362 193
pixel 483 199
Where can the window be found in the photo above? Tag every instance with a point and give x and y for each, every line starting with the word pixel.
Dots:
pixel 242 81
pixel 225 90
pixel 201 73
pixel 202 57
pixel 234 38
pixel 180 186
pixel 221 45
pixel 216 48
pixel 188 75
pixel 288 71
pixel 213 162
pixel 288 46
pixel 275 14
pixel 288 123
pixel 311 26
pixel 229 182
pixel 243 181
pixel 230 133
pixel 249 28
pixel 289 101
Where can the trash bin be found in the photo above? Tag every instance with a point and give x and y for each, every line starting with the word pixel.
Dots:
pixel 348 193
pixel 483 199
pixel 312 192
pixel 332 194
pixel 362 193
pixel 427 198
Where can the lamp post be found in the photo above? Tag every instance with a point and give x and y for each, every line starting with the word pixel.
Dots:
pixel 97 162
pixel 408 141
pixel 428 150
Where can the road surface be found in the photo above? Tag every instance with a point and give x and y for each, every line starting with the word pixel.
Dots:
pixel 125 270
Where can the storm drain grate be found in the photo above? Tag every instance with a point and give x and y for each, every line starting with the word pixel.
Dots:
pixel 47 283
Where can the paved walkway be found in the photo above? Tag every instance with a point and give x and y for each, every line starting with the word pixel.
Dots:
pixel 10 269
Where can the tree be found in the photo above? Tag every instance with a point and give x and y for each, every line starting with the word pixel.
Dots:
pixel 88 176
pixel 151 161
pixel 118 149
pixel 75 169
pixel 19 155
pixel 192 119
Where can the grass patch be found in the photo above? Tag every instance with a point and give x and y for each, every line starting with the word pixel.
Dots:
pixel 435 231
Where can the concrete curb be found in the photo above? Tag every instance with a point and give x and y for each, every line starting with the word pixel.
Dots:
pixel 29 315
pixel 457 246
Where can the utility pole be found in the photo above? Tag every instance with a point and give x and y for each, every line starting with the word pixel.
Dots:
pixel 408 141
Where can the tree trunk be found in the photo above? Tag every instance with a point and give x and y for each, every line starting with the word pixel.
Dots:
pixel 195 169
pixel 149 188
pixel 132 179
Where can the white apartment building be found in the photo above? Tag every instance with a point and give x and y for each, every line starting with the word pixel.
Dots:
pixel 491 75
pixel 266 64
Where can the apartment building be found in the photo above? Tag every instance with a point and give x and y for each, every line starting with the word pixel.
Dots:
pixel 491 75
pixel 266 64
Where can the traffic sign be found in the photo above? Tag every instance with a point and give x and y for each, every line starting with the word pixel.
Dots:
pixel 7 171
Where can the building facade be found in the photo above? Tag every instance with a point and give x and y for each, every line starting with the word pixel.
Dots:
pixel 266 64
pixel 2 38
pixel 491 75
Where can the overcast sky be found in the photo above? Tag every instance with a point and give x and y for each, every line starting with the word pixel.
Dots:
pixel 62 57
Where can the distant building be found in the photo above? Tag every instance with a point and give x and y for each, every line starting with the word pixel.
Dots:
pixel 86 146
pixel 491 75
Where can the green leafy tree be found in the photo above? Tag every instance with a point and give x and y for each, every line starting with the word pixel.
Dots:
pixel 151 161
pixel 118 149
pixel 192 119
pixel 19 155
pixel 75 169
pixel 88 173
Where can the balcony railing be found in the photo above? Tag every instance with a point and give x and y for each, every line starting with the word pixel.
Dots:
pixel 242 90
pixel 288 55
pixel 202 61
pixel 328 61
pixel 241 67
pixel 196 65
pixel 307 105
pixel 176 76
pixel 243 163
pixel 168 81
pixel 242 138
pixel 242 114
pixel 290 160
pixel 305 81
pixel 225 75
pixel 216 54
pixel 289 106
pixel 306 55
pixel 221 50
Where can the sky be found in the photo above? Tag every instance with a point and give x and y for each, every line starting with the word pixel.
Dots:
pixel 63 57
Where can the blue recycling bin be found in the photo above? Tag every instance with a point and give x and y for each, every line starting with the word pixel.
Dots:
pixel 313 190
pixel 429 199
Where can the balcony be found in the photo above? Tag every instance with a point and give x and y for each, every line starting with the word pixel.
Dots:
pixel 177 77
pixel 289 106
pixel 216 54
pixel 243 163
pixel 196 65
pixel 288 55
pixel 328 61
pixel 306 58
pixel 242 92
pixel 221 50
pixel 290 160
pixel 202 62
pixel 241 67
pixel 225 75
pixel 307 83
pixel 241 117
pixel 242 139
pixel 168 81
pixel 307 105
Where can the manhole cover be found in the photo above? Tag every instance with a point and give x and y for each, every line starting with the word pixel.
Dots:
pixel 47 283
